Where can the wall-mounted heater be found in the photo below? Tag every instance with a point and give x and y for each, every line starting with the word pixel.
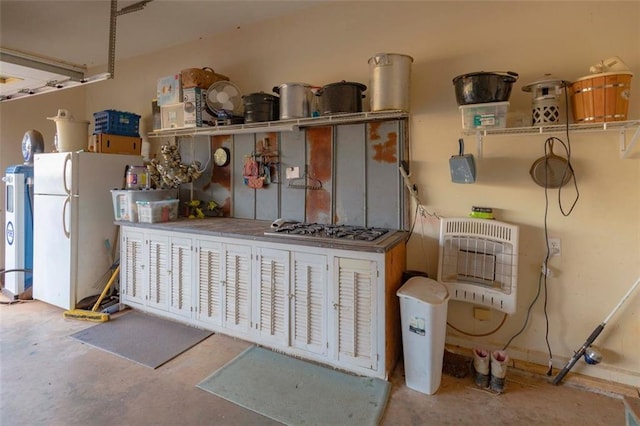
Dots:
pixel 478 262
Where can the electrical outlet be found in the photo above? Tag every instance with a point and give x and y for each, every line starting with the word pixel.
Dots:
pixel 555 249
pixel 481 314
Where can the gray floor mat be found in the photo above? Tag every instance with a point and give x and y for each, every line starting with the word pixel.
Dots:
pixel 142 338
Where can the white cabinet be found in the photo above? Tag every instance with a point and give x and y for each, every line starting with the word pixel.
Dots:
pixel 156 271
pixel 354 304
pixel 209 281
pixel 272 297
pixel 332 306
pixel 132 268
pixel 181 276
pixel 309 302
pixel 236 288
pixel 157 278
pixel 222 285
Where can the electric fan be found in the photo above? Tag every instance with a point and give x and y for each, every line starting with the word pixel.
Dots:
pixel 478 262
pixel 225 100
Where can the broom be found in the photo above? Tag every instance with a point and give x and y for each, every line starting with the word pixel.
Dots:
pixel 93 314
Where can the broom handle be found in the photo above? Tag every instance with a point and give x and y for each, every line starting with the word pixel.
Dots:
pixel 106 288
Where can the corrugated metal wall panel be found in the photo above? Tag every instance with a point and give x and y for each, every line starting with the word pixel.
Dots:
pixel 319 159
pixel 382 175
pixel 349 191
pixel 292 154
pixel 267 197
pixel 356 164
pixel 220 186
pixel 244 198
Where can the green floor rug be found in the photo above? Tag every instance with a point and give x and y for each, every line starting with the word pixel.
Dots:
pixel 297 392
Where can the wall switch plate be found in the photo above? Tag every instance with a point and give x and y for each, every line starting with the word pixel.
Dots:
pixel 293 172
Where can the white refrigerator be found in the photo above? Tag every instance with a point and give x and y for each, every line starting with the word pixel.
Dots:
pixel 73 220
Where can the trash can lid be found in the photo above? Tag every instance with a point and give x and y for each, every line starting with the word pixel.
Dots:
pixel 425 290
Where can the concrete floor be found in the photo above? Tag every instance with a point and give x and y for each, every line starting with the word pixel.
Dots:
pixel 48 378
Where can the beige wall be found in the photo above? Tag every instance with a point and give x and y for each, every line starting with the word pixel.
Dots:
pixel 17 117
pixel 600 239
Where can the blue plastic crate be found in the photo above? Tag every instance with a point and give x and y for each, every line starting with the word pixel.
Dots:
pixel 114 122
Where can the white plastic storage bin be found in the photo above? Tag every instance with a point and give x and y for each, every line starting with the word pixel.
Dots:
pixel 423 312
pixel 124 201
pixel 492 115
pixel 157 211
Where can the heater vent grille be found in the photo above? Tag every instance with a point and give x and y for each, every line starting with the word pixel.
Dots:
pixel 478 261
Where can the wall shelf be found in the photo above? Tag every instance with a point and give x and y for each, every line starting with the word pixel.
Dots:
pixel 621 126
pixel 281 125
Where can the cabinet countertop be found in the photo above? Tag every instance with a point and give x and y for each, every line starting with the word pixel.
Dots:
pixel 248 229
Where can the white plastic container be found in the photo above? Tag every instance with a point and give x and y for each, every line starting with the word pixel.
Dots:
pixel 423 312
pixel 157 211
pixel 124 201
pixel 491 115
pixel 71 135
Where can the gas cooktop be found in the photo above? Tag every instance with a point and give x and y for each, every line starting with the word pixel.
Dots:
pixel 343 234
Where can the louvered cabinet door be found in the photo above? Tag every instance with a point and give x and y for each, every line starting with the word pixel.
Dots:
pixel 132 268
pixel 272 298
pixel 237 288
pixel 209 272
pixel 309 302
pixel 158 271
pixel 354 312
pixel 181 274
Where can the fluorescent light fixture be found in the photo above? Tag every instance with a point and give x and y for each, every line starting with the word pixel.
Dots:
pixel 24 74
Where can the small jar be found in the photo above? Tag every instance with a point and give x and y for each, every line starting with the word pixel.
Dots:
pixel 137 177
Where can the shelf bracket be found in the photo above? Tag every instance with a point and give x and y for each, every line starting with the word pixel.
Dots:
pixel 479 140
pixel 624 149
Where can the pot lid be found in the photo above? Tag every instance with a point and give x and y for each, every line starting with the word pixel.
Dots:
pixel 361 86
pixel 294 84
pixel 261 95
pixel 512 76
pixel 378 56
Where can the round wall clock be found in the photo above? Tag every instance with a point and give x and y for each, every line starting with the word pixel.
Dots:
pixel 221 157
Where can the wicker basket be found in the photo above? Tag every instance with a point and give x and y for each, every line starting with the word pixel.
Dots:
pixel 200 77
pixel 601 97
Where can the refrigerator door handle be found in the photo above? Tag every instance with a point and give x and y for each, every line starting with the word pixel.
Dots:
pixel 67 202
pixel 67 162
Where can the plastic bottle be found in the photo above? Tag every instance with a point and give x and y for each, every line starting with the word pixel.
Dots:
pixel 137 177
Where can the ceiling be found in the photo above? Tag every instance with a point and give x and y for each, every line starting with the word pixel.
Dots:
pixel 78 31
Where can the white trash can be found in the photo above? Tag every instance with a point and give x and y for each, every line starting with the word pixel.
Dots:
pixel 423 312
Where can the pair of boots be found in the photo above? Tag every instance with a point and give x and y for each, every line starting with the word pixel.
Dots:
pixel 490 369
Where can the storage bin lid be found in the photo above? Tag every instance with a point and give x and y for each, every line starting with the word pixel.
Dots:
pixel 425 290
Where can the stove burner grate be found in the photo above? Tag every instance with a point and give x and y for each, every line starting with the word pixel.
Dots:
pixel 324 232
